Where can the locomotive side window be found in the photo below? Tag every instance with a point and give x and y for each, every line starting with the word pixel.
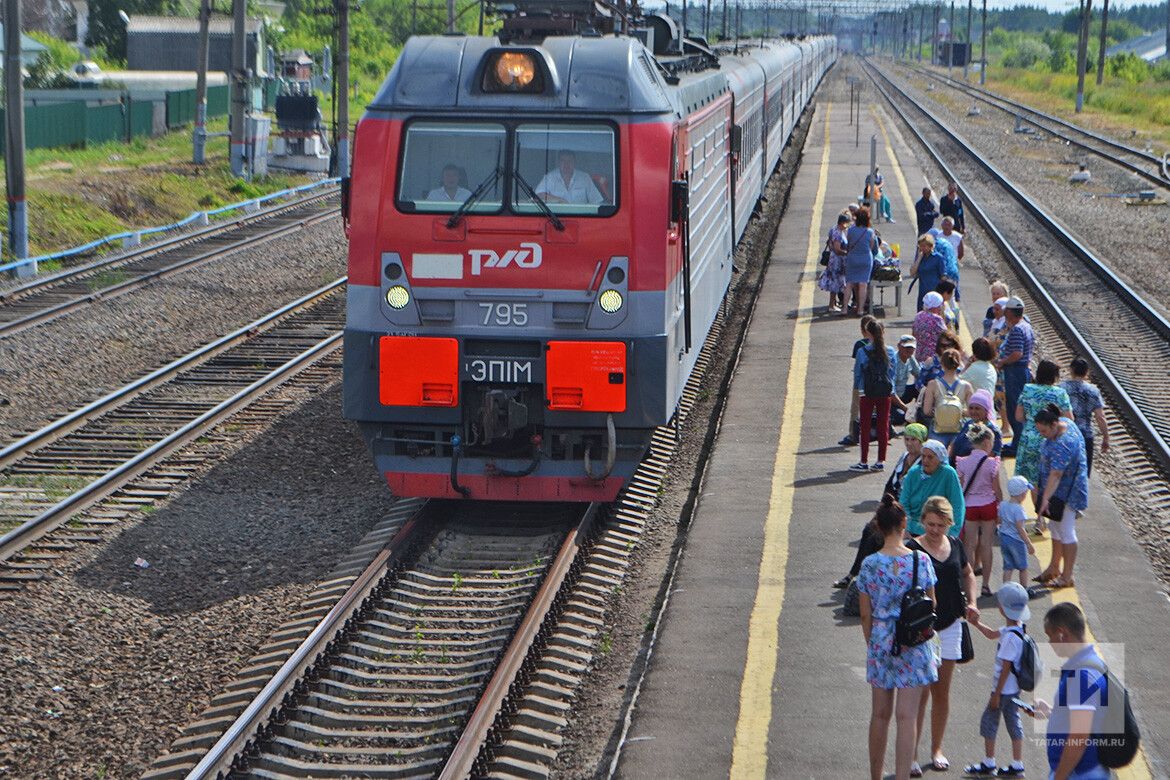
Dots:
pixel 568 166
pixel 444 164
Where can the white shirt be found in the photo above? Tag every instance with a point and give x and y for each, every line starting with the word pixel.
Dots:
pixel 956 238
pixel 440 193
pixel 1010 648
pixel 982 376
pixel 581 188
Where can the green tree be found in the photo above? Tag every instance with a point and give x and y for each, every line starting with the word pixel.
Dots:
pixel 106 28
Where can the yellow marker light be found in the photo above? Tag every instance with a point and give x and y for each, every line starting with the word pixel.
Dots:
pixel 397 296
pixel 610 301
pixel 515 70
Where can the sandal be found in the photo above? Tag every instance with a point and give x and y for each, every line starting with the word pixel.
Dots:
pixel 1061 583
pixel 843 582
pixel 981 769
pixel 939 764
pixel 986 593
pixel 915 770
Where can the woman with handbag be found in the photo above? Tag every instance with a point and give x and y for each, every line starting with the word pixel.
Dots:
pixel 955 600
pixel 892 579
pixel 1064 490
pixel 832 278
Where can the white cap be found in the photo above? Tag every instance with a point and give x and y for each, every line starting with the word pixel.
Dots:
pixel 932 300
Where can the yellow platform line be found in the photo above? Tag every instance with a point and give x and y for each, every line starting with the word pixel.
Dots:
pixel 1140 768
pixel 749 758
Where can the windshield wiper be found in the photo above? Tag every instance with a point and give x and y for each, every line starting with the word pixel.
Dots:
pixel 474 197
pixel 539 201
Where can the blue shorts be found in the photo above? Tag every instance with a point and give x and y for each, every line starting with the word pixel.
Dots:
pixel 1015 553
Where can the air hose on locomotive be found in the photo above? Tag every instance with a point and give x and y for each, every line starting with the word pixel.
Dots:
pixel 610 452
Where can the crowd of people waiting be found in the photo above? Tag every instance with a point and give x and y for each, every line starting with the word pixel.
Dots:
pixel 943 508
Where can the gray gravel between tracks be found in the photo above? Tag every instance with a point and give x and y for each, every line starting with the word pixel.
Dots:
pixel 1132 240
pixel 138 652
pixel 47 370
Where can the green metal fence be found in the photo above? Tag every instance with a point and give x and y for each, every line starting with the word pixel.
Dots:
pixel 74 123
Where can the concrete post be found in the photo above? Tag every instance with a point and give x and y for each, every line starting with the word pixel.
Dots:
pixel 199 136
pixel 239 86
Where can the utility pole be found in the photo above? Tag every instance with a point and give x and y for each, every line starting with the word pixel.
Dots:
pixel 685 3
pixel 343 83
pixel 1083 53
pixel 934 35
pixel 951 39
pixel 239 85
pixel 14 140
pixel 706 23
pixel 983 45
pixel 921 28
pixel 967 59
pixel 723 27
pixel 1101 44
pixel 199 137
pixel 450 16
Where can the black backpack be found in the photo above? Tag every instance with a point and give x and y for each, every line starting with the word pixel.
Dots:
pixel 1114 749
pixel 1025 670
pixel 915 623
pixel 875 376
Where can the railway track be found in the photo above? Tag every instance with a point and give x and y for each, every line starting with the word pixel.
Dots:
pixel 63 474
pixel 403 677
pixel 1139 161
pixel 52 296
pixel 1126 340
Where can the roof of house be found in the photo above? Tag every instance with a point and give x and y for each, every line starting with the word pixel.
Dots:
pixel 27 44
pixel 186 25
pixel 299 56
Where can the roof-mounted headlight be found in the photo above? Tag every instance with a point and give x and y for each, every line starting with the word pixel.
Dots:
pixel 513 71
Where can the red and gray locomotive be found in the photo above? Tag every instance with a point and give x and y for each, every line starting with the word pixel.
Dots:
pixel 542 227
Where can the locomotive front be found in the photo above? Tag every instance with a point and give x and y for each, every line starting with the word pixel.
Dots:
pixel 512 270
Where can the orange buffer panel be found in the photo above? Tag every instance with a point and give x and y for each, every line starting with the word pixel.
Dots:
pixel 586 376
pixel 414 371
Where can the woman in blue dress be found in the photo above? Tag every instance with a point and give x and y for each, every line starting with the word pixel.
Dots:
pixel 897 681
pixel 928 268
pixel 862 243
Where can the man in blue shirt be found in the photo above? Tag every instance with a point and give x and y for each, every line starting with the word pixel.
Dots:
pixel 1082 697
pixel 926 212
pixel 1015 356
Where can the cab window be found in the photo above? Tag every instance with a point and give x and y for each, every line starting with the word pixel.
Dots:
pixel 570 167
pixel 443 163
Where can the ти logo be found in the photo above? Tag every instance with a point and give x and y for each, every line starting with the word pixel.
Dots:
pixel 527 256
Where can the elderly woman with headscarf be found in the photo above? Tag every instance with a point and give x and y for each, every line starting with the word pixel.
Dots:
pixel 980 409
pixel 871 538
pixel 929 324
pixel 932 476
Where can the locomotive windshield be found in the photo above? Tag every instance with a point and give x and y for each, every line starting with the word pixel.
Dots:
pixel 571 167
pixel 444 163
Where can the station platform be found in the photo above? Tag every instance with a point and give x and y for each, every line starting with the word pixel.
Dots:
pixel 754 671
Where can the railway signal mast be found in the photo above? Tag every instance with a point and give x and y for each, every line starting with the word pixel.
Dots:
pixel 14 140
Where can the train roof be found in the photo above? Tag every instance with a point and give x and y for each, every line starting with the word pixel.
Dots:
pixel 605 74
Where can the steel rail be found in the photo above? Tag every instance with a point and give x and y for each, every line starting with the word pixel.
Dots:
pixel 70 422
pixel 994 100
pixel 144 250
pixel 476 734
pixel 1145 429
pixel 218 761
pixel 51 312
pixel 28 532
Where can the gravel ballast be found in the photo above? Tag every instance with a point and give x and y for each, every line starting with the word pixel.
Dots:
pixel 48 370
pixel 105 661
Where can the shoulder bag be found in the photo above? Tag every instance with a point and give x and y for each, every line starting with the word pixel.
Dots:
pixel 825 255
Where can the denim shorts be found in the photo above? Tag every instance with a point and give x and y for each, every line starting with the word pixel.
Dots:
pixel 1015 553
pixel 989 722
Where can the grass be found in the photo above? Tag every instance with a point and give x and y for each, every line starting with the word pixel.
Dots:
pixel 78 195
pixel 1117 108
pixel 54 486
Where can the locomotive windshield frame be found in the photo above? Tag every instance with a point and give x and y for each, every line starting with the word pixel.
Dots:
pixel 473 166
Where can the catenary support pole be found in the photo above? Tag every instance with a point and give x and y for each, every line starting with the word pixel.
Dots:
pixel 450 16
pixel 951 39
pixel 240 97
pixel 921 29
pixel 1101 43
pixel 1083 53
pixel 14 140
pixel 199 136
pixel 983 45
pixel 343 86
pixel 967 59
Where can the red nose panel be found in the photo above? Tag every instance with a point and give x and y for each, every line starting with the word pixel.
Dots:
pixel 416 371
pixel 586 376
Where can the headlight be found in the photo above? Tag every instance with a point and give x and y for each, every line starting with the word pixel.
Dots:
pixel 398 296
pixel 610 301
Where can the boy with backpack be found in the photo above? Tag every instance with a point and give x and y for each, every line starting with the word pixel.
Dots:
pixel 1015 671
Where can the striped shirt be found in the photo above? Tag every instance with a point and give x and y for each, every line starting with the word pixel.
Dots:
pixel 1019 339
